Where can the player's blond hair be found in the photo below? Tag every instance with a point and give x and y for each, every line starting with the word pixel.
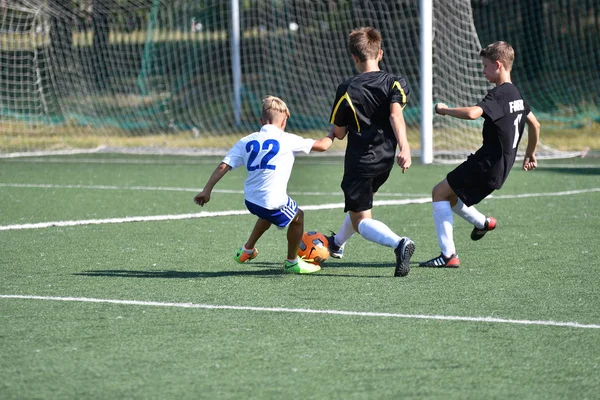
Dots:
pixel 499 51
pixel 364 43
pixel 274 110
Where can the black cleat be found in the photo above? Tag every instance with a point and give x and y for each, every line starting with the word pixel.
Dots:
pixel 404 252
pixel 335 251
pixel 490 225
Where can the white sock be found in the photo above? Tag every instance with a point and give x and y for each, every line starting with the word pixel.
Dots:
pixel 247 251
pixel 469 214
pixel 442 217
pixel 346 231
pixel 378 232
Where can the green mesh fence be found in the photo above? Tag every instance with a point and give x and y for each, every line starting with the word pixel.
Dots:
pixel 157 73
pixel 558 53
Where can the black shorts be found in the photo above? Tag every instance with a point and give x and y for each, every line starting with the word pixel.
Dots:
pixel 470 181
pixel 359 190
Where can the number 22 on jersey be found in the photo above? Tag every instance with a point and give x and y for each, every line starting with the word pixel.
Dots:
pixel 255 161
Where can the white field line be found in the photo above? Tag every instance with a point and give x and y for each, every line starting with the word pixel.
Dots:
pixel 551 194
pixel 569 166
pixel 206 214
pixel 203 214
pixel 52 153
pixel 178 189
pixel 48 160
pixel 315 160
pixel 309 311
pixel 55 157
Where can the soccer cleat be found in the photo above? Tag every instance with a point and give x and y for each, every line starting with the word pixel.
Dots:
pixel 335 251
pixel 442 262
pixel 241 256
pixel 490 225
pixel 299 267
pixel 404 251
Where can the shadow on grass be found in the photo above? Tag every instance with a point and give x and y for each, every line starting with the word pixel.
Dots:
pixel 124 273
pixel 572 171
pixel 267 269
pixel 344 264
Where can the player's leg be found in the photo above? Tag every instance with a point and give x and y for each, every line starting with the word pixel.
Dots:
pixel 294 264
pixel 469 214
pixel 442 196
pixel 358 196
pixel 373 230
pixel 294 235
pixel 337 241
pixel 482 224
pixel 470 183
pixel 248 251
pixel 261 226
pixel 359 202
pixel 292 218
pixel 378 232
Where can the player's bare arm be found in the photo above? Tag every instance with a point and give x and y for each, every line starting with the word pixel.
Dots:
pixel 204 196
pixel 533 133
pixel 473 112
pixel 339 132
pixel 324 143
pixel 403 158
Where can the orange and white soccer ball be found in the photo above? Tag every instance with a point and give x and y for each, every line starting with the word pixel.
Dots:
pixel 313 247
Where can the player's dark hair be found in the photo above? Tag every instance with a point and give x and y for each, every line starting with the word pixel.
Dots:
pixel 499 51
pixel 364 43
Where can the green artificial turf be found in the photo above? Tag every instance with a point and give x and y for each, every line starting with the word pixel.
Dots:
pixel 540 264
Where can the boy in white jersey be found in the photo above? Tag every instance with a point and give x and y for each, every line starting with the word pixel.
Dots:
pixel 268 156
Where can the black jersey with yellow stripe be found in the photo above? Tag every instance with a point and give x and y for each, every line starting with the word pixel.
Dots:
pixel 362 105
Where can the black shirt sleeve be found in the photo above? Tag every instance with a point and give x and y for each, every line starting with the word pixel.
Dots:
pixel 400 91
pixel 491 107
pixel 339 110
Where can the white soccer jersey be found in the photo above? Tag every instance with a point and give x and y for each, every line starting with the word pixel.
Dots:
pixel 268 156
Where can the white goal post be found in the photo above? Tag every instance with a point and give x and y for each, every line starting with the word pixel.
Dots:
pixel 426 81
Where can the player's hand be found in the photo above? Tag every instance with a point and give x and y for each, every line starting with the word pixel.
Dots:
pixel 439 107
pixel 202 198
pixel 403 159
pixel 530 162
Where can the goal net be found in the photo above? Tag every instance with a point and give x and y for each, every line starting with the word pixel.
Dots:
pixel 159 74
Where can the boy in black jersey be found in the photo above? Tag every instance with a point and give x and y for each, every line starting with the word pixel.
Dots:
pixel 505 113
pixel 368 109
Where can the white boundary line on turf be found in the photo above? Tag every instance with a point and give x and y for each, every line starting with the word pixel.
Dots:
pixel 177 189
pixel 107 161
pixel 302 159
pixel 206 214
pixel 52 153
pixel 550 194
pixel 308 311
pixel 319 160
